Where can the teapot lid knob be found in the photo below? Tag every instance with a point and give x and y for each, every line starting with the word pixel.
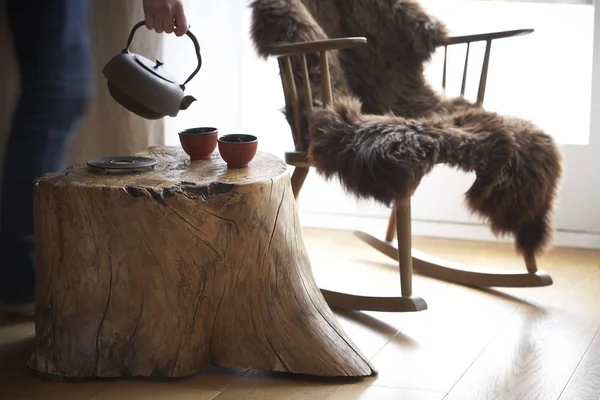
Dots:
pixel 158 63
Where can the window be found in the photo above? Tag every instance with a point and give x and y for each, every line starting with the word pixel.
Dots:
pixel 545 76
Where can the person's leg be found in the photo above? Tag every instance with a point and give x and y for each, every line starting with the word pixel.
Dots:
pixel 51 40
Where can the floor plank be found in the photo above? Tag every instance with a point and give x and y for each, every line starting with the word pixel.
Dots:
pixel 532 358
pixel 535 354
pixel 585 382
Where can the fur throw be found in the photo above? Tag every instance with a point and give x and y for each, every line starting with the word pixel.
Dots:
pixel 388 128
pixel 517 165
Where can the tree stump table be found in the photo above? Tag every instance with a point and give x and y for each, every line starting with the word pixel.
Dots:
pixel 164 272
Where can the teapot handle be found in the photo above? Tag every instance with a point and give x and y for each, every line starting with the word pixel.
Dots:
pixel 191 36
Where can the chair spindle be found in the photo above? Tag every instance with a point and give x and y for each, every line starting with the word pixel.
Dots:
pixel 464 77
pixel 484 73
pixel 325 79
pixel 445 68
pixel 298 141
pixel 308 99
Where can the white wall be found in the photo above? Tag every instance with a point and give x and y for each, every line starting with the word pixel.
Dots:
pixel 545 77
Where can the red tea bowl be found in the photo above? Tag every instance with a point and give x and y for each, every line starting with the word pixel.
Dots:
pixel 199 143
pixel 238 149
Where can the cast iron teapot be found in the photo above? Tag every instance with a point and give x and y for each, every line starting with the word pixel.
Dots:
pixel 143 86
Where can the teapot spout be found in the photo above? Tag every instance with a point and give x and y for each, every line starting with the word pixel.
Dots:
pixel 186 101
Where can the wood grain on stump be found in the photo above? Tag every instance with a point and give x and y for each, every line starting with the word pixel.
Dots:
pixel 165 272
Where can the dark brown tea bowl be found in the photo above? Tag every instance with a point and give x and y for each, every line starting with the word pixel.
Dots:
pixel 199 143
pixel 238 149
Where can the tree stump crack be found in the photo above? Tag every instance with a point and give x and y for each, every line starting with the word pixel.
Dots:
pixel 285 367
pixel 276 219
pixel 158 265
pixel 161 195
pixel 89 219
pixel 196 230
pixel 212 336
pixel 134 191
pixel 207 192
pixel 137 322
pixel 187 189
pixel 197 305
pixel 237 278
pixel 177 353
pixel 103 316
pixel 230 221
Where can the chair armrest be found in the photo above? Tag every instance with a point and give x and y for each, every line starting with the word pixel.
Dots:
pixel 487 36
pixel 316 46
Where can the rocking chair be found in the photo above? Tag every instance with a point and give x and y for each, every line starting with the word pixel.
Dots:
pixel 292 58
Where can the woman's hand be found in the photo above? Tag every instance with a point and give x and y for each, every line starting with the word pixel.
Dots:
pixel 165 16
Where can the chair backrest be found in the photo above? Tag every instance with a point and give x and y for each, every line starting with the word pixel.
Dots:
pixel 301 90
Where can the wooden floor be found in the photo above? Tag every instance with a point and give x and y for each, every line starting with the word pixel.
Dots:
pixel 538 344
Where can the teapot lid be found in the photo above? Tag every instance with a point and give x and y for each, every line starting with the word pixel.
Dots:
pixel 154 67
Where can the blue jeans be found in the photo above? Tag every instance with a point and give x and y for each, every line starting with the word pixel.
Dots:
pixel 52 44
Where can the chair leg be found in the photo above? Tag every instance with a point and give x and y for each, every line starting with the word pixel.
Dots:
pixel 531 264
pixel 298 178
pixel 406 302
pixel 404 242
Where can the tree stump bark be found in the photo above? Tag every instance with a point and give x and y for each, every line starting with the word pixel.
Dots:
pixel 165 272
